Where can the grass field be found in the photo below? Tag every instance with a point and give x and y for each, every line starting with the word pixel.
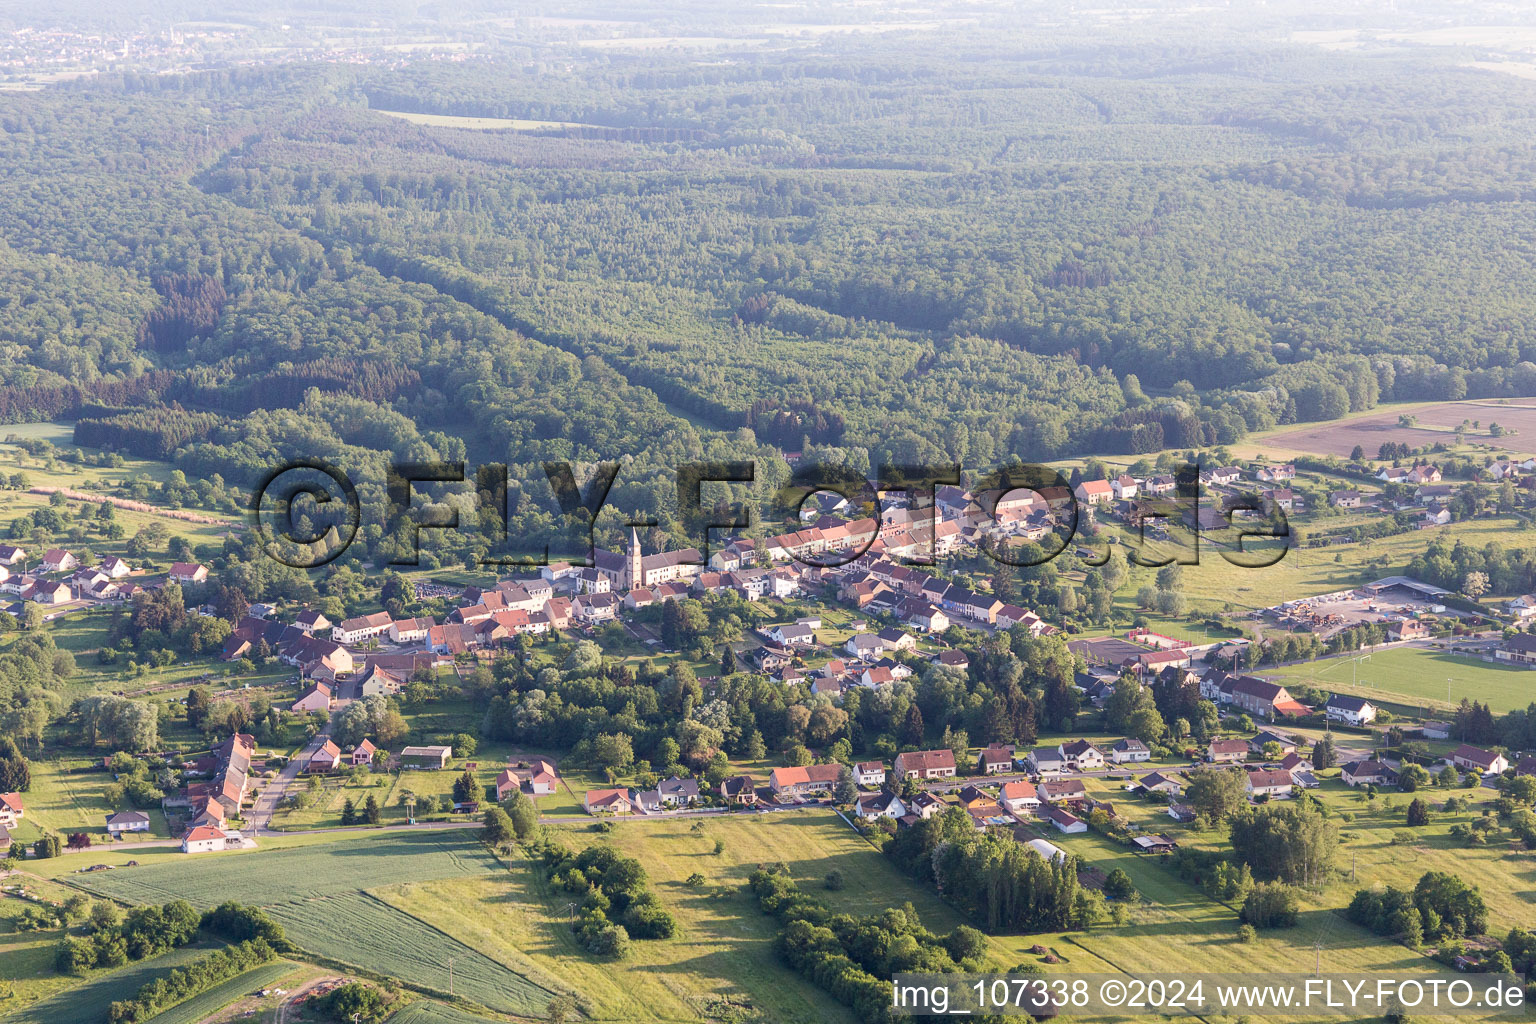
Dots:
pixel 206 1004
pixel 87 1001
pixel 1417 676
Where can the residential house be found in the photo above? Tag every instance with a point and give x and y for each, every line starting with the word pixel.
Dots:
pixel 1055 791
pixel 792 635
pixel 896 640
pixel 796 782
pixel 740 790
pixel 879 805
pixel 1361 773
pixel 1157 782
pixel 593 608
pixel 1046 761
pixel 1423 475
pixel 995 759
pixel 127 821
pixel 1226 751
pixel 1276 474
pixel 954 659
pixel 10 554
pixel 1436 515
pixel 1269 783
pixel 1082 755
pixel 1285 741
pixel 1486 762
pixel 1345 499
pixel 325 759
pixel 676 792
pixel 869 773
pixel 316 698
pixel 1093 492
pixel 1019 797
pixel 410 631
pixel 925 764
pixel 1279 497
pixel 607 801
pixel 1129 749
pixel 1350 710
pixel 12 809
pixel 865 645
pixel 115 567
pixel 361 628
pixel 1522 607
pixel 204 839
pixel 1124 487
pixel 311 621
pixel 926 805
pixel 362 754
pixel 188 572
pixel 58 560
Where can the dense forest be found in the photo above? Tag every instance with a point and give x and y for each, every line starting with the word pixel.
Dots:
pixel 895 247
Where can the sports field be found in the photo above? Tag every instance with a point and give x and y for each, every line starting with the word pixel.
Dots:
pixel 1420 677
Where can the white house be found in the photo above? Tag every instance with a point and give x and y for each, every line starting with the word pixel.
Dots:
pixel 203 839
pixel 1473 758
pixel 127 821
pixel 869 773
pixel 1129 749
pixel 1350 710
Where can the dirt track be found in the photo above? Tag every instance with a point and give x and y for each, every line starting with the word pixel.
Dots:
pixel 136 506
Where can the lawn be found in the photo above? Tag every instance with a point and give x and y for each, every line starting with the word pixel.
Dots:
pixel 1419 677
pixel 87 1001
pixel 206 1004
pixel 66 796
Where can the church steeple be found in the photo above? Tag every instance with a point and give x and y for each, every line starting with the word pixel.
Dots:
pixel 636 576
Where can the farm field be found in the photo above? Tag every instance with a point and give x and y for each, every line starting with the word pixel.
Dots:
pixel 316 892
pixel 358 929
pixel 723 949
pixel 306 872
pixel 205 1004
pixel 430 1011
pixel 87 1001
pixel 1435 422
pixel 1215 584
pixel 1417 676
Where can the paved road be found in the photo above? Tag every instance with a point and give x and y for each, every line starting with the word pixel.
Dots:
pixel 267 803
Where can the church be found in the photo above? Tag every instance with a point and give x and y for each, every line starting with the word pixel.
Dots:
pixel 634 570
